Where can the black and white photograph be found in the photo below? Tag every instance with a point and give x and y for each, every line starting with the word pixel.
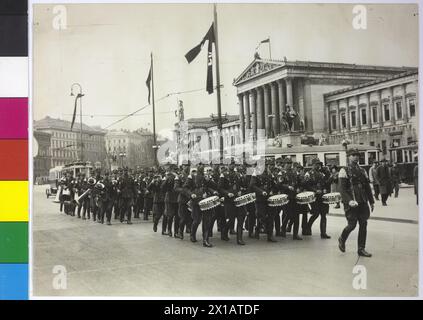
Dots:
pixel 263 150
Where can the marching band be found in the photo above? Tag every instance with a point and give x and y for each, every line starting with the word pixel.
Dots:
pixel 234 198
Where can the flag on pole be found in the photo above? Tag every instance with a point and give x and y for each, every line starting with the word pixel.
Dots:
pixel 193 53
pixel 265 40
pixel 74 112
pixel 148 83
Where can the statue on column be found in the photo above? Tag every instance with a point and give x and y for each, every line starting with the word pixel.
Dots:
pixel 288 118
pixel 181 111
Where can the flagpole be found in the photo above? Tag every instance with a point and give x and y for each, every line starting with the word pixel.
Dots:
pixel 219 104
pixel 154 113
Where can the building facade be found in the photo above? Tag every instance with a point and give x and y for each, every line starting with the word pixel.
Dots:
pixel 131 149
pixel 200 137
pixel 266 87
pixel 42 161
pixel 382 113
pixel 65 145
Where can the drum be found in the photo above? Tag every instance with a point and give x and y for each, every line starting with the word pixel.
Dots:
pixel 278 200
pixel 245 199
pixel 209 203
pixel 331 198
pixel 306 197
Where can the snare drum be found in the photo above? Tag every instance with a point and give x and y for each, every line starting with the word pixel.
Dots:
pixel 209 203
pixel 306 197
pixel 245 199
pixel 331 198
pixel 278 200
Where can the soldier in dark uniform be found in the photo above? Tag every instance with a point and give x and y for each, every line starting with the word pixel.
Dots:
pixel 315 180
pixel 356 196
pixel 155 187
pixel 230 187
pixel 107 199
pixel 171 203
pixel 261 185
pixel 289 184
pixel 148 196
pixel 80 191
pixel 204 188
pixel 86 212
pixel 218 214
pixel 127 193
pixel 185 187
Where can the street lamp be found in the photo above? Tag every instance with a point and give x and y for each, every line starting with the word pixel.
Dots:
pixel 79 95
pixel 122 155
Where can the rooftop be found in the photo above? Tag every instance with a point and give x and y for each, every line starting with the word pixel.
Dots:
pixel 208 122
pixel 367 84
pixel 59 124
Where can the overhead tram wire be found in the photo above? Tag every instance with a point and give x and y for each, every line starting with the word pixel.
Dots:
pixel 156 100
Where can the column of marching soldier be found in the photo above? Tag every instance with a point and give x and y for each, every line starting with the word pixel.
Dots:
pixel 173 196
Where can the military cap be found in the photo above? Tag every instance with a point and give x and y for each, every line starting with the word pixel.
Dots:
pixel 352 151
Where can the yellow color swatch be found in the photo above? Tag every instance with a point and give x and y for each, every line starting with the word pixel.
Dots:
pixel 14 201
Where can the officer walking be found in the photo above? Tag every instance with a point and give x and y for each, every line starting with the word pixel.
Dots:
pixel 356 196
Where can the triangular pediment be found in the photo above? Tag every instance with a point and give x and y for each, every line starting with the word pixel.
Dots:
pixel 257 67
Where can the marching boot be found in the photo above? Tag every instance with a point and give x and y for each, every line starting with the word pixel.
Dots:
pixel 207 244
pixel 363 253
pixel 297 237
pixel 325 236
pixel 193 238
pixel 224 234
pixel 341 244
pixel 155 227
pixel 239 239
pixel 257 233
pixel 271 239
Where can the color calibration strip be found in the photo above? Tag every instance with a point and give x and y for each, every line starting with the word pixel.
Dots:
pixel 14 186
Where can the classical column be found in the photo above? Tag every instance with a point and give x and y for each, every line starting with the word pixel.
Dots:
pixel 282 101
pixel 380 108
pixel 253 114
pixel 275 109
pixel 369 112
pixel 260 109
pixel 328 123
pixel 267 112
pixel 404 103
pixel 392 107
pixel 241 116
pixel 338 117
pixel 347 114
pixel 358 114
pixel 246 97
pixel 289 96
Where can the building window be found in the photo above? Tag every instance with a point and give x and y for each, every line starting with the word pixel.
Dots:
pixel 353 119
pixel 396 143
pixel 374 114
pixel 386 112
pixel 384 146
pixel 331 159
pixel 333 122
pixel 343 120
pixel 412 107
pixel 398 106
pixel 372 143
pixel 363 116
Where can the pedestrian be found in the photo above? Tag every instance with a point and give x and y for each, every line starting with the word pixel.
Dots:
pixel 357 197
pixel 384 178
pixel 396 178
pixel 373 179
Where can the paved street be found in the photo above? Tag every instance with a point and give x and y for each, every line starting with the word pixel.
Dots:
pixel 132 260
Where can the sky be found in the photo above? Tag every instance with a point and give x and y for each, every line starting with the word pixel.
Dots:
pixel 106 48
